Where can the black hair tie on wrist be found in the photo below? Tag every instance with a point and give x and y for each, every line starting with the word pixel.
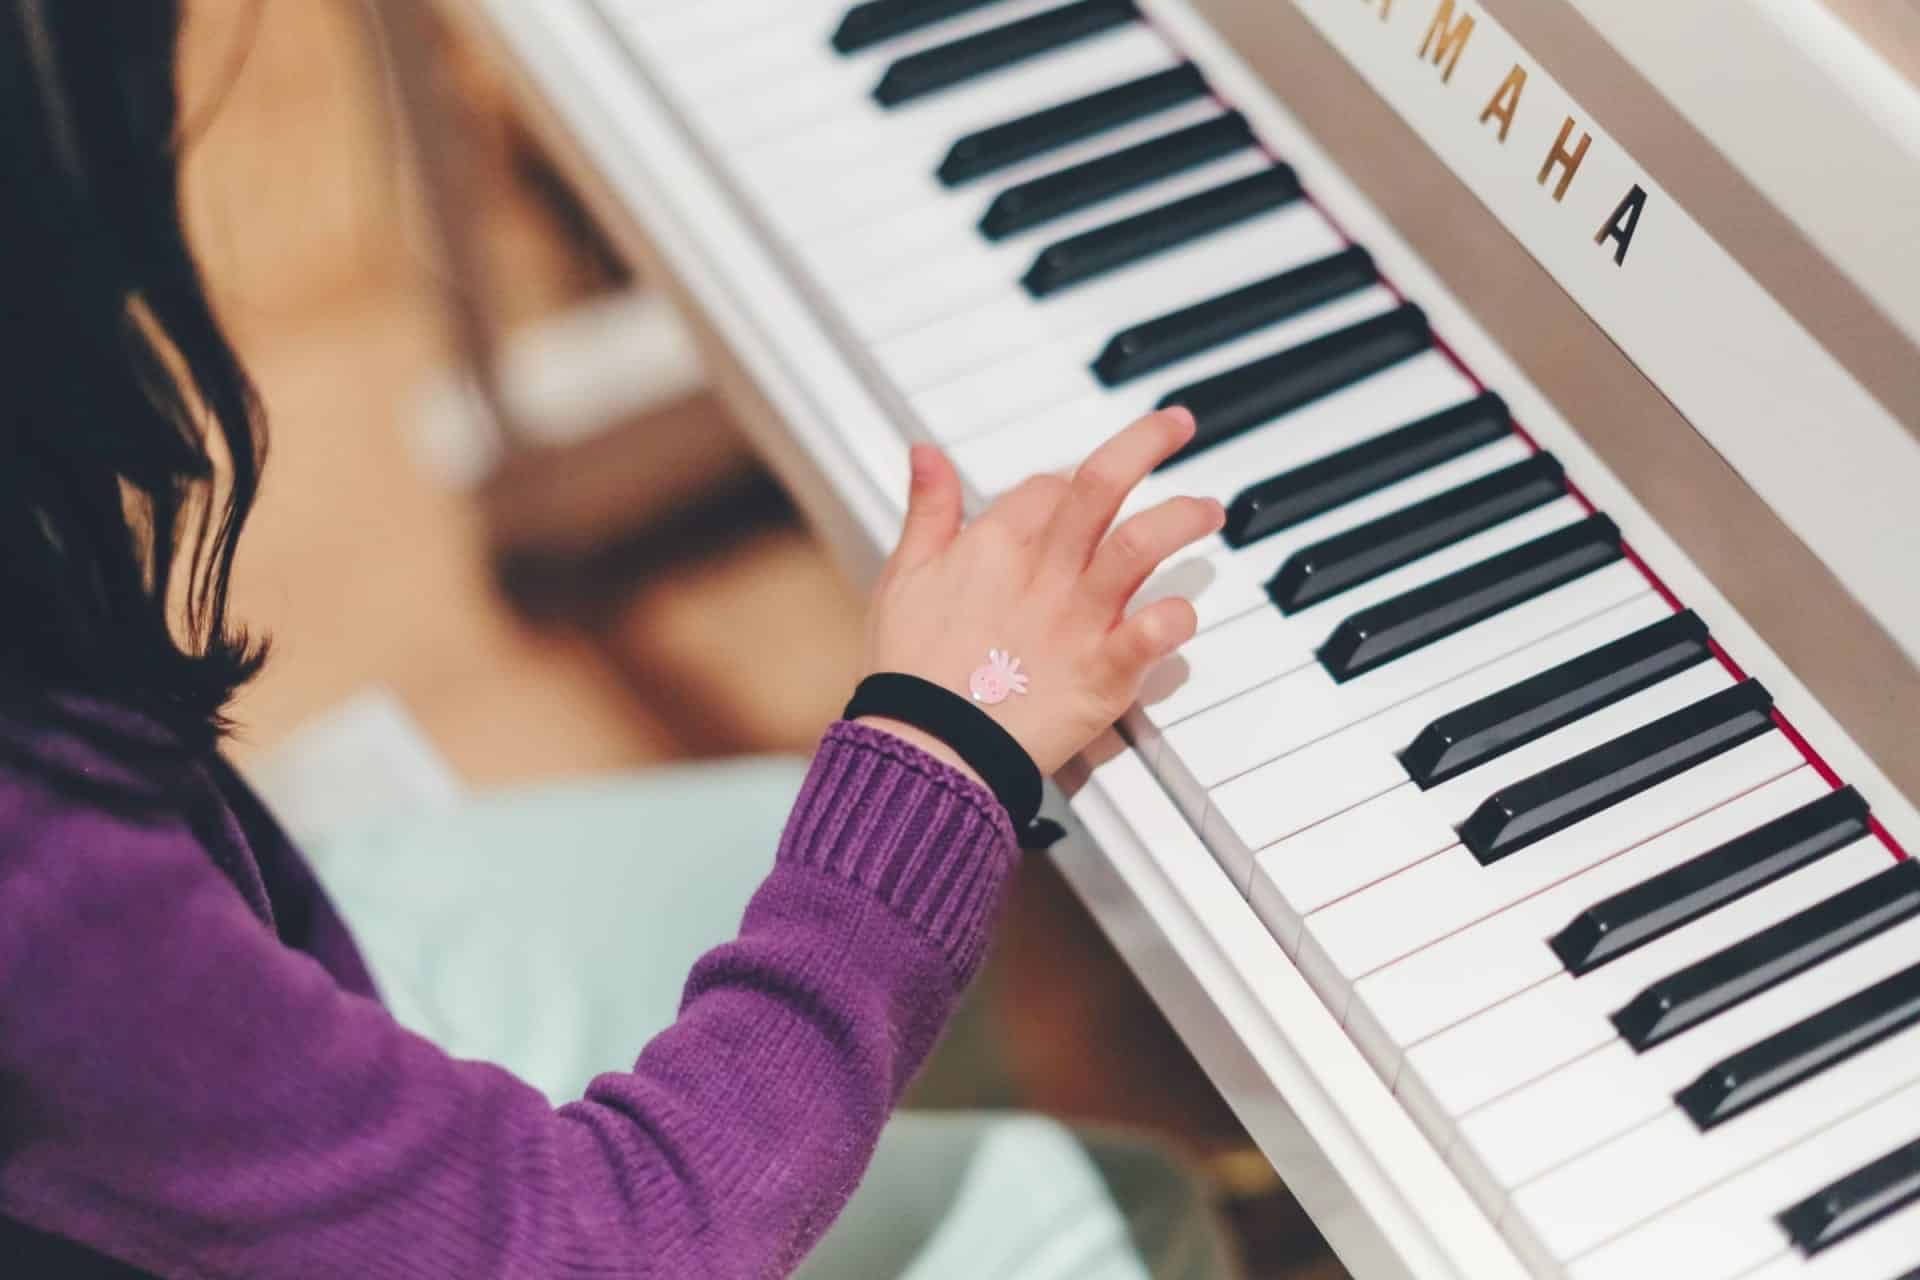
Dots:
pixel 989 750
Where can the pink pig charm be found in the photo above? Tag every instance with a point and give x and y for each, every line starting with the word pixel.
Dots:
pixel 998 679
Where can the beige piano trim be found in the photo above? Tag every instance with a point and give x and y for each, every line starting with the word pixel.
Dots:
pixel 1890 26
pixel 1797 605
pixel 1760 238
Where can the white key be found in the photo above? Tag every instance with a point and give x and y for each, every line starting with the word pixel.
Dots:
pixel 1313 715
pixel 1298 876
pixel 1306 790
pixel 978 338
pixel 854 254
pixel 1726 1230
pixel 1411 389
pixel 1598 1097
pixel 788 48
pixel 1227 742
pixel 1209 668
pixel 1418 387
pixel 1213 662
pixel 886 221
pixel 1435 900
pixel 695 32
pixel 1308 689
pixel 1048 388
pixel 1199 754
pixel 892 155
pixel 946 285
pixel 857 235
pixel 1242 815
pixel 1403 393
pixel 1353 936
pixel 790 78
pixel 1543 1028
pixel 1341 855
pixel 1883 1251
pixel 1474 1061
pixel 1055 375
pixel 1614 1188
pixel 1207 756
pixel 703 33
pixel 1501 956
pixel 1235 577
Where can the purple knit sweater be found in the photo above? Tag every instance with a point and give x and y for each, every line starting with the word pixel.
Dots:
pixel 197 1079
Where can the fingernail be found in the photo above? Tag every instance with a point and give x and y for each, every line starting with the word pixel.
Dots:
pixel 917 460
pixel 1182 415
pixel 1219 512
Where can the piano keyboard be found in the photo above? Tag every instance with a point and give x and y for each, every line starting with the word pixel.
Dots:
pixel 1636 961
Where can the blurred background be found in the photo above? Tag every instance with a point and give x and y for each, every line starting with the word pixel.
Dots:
pixel 600 600
pixel 366 562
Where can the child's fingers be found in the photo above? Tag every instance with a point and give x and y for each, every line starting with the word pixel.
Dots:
pixel 1141 543
pixel 1148 637
pixel 934 508
pixel 1105 479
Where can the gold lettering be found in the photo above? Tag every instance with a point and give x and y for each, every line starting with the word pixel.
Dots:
pixel 1446 38
pixel 1506 100
pixel 1569 159
pixel 1621 226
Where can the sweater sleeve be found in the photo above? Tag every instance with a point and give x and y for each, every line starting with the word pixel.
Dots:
pixel 182 1092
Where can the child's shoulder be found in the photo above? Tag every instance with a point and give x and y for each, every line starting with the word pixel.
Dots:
pixel 97 824
pixel 72 756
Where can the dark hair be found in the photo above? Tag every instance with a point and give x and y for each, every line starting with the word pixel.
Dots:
pixel 122 405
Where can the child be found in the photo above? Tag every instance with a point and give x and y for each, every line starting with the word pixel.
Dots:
pixel 197 1077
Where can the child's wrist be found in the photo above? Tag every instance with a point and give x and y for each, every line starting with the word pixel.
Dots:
pixel 934 719
pixel 924 741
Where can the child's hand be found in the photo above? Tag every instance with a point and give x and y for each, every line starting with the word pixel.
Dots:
pixel 1039 577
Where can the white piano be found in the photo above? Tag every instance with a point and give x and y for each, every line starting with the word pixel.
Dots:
pixel 1518 845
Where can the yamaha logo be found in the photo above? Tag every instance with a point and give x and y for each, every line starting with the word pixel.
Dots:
pixel 1442 42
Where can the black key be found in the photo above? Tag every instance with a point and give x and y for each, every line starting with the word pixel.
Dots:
pixel 1855 1202
pixel 1119 244
pixel 1316 573
pixel 1217 321
pixel 1556 798
pixel 1803 1050
pixel 946 65
pixel 990 150
pixel 1496 724
pixel 870 23
pixel 1228 403
pixel 1054 195
pixel 1417 618
pixel 1371 465
pixel 1654 908
pixel 1770 957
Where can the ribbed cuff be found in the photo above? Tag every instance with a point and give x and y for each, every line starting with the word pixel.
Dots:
pixel 928 841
